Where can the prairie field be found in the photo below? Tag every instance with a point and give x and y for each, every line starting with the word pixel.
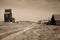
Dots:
pixel 29 31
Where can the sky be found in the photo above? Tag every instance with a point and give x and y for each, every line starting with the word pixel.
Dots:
pixel 31 10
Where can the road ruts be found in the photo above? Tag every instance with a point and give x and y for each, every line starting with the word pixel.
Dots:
pixel 10 37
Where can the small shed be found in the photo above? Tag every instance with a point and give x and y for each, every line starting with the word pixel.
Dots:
pixel 57 18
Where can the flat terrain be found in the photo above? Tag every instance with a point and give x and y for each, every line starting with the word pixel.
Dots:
pixel 29 31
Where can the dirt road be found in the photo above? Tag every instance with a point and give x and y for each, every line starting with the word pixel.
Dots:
pixel 20 31
pixel 36 32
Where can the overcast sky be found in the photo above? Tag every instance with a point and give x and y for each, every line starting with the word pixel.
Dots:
pixel 32 10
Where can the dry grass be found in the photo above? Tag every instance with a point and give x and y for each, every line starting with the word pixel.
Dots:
pixel 39 32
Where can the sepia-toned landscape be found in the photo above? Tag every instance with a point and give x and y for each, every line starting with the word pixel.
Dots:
pixel 29 19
